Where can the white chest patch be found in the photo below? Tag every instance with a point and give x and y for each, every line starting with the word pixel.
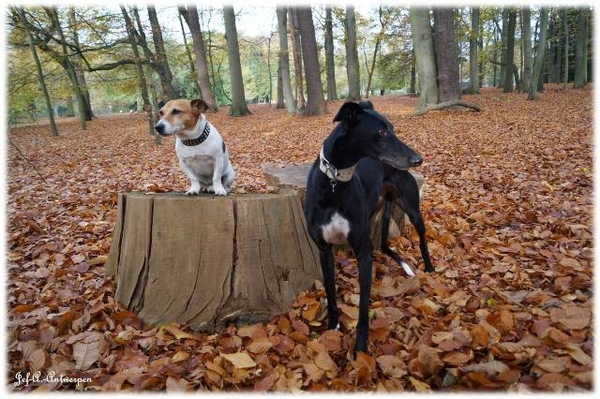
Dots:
pixel 336 231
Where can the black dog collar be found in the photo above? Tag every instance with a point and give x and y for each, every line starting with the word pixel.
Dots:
pixel 199 140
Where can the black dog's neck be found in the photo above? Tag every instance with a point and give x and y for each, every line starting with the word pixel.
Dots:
pixel 339 151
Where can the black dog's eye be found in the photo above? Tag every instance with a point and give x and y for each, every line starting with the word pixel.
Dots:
pixel 382 132
pixel 175 111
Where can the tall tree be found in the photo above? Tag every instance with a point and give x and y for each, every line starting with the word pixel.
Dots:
pixel 473 47
pixel 191 17
pixel 315 104
pixel 581 46
pixel 527 55
pixel 188 53
pixel 238 96
pixel 162 64
pixel 446 52
pixel 77 61
pixel 142 84
pixel 510 51
pixel 385 17
pixel 297 57
pixel 284 60
pixel 566 39
pixel 329 55
pixel 53 12
pixel 425 56
pixel 352 65
pixel 38 66
pixel 539 57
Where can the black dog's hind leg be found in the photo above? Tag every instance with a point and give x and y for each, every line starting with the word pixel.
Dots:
pixel 362 250
pixel 417 220
pixel 409 202
pixel 385 225
pixel 328 269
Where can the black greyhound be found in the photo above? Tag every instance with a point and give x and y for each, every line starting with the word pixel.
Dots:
pixel 361 160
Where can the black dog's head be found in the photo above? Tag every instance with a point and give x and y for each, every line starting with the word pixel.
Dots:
pixel 366 133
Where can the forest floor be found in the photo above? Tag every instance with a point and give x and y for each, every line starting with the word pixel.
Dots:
pixel 508 209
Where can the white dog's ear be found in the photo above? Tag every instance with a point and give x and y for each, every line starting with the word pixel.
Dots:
pixel 200 105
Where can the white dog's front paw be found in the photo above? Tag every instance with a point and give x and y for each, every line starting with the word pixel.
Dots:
pixel 192 192
pixel 220 190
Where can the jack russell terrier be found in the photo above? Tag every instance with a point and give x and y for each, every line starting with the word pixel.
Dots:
pixel 202 153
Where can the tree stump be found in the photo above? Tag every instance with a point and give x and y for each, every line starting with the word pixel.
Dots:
pixel 295 176
pixel 207 260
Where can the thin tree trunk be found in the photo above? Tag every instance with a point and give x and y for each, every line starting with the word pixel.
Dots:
pixel 566 39
pixel 539 58
pixel 527 55
pixel 79 71
pixel 329 55
pixel 315 104
pixel 164 71
pixel 40 73
pixel 238 96
pixel 297 56
pixel 148 108
pixel 375 51
pixel 581 50
pixel 352 65
pixel 188 53
pixel 70 71
pixel 191 17
pixel 473 72
pixel 284 60
pixel 510 51
pixel 425 56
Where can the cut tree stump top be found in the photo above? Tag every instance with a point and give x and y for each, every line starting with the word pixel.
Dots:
pixel 207 260
pixel 286 176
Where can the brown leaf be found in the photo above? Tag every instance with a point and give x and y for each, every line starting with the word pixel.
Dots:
pixel 239 360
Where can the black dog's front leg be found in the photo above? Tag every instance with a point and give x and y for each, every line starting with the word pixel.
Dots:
pixel 328 269
pixel 365 266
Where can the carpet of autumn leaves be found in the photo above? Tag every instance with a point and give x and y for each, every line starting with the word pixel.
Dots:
pixel 508 208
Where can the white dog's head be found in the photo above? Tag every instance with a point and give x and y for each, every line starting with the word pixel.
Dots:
pixel 180 117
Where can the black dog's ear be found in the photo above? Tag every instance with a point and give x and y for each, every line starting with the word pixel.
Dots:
pixel 348 113
pixel 200 105
pixel 366 105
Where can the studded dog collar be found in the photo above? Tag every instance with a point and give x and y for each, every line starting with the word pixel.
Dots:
pixel 198 140
pixel 334 173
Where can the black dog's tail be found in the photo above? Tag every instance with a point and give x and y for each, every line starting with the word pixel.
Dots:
pixel 385 225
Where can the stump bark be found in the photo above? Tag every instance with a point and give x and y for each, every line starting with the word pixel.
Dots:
pixel 287 176
pixel 206 260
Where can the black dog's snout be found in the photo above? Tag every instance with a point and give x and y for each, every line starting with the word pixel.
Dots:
pixel 416 160
pixel 160 128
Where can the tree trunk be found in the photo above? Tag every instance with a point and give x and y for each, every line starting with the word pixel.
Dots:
pixel 70 71
pixel 193 74
pixel 284 60
pixel 163 69
pixel 352 66
pixel 566 38
pixel 148 108
pixel 297 56
pixel 238 96
pixel 527 54
pixel 504 41
pixel 77 66
pixel 40 73
pixel 539 58
pixel 473 47
pixel 425 56
pixel 191 17
pixel 315 104
pixel 510 51
pixel 329 56
pixel 446 54
pixel 581 45
pixel 206 261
